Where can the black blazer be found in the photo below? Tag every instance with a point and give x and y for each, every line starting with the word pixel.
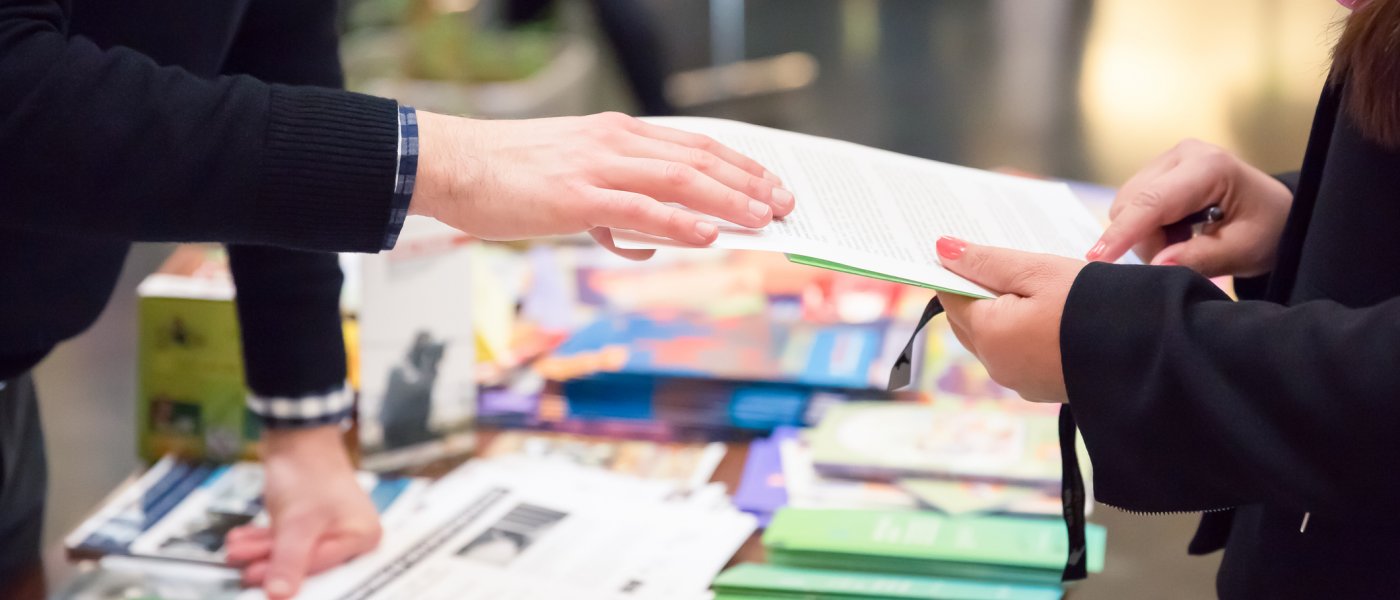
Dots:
pixel 1270 413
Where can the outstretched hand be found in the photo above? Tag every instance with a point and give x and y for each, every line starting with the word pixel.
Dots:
pixel 505 180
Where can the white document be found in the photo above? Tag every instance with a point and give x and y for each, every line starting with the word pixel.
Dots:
pixel 883 212
pixel 522 529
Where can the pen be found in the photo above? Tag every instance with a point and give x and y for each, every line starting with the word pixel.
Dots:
pixel 1193 224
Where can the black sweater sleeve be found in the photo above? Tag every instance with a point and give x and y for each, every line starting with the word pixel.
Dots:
pixel 289 300
pixel 1190 401
pixel 105 143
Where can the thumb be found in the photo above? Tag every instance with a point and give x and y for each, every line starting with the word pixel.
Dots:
pixel 997 269
pixel 291 557
pixel 1203 254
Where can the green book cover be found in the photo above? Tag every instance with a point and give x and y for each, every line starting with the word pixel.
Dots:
pixel 787 582
pixel 835 266
pixel 897 440
pixel 192 400
pixel 925 542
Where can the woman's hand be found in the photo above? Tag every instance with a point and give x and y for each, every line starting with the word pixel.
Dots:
pixel 518 179
pixel 1017 334
pixel 1184 180
pixel 320 515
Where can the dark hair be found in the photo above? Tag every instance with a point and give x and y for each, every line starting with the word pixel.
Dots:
pixel 1368 57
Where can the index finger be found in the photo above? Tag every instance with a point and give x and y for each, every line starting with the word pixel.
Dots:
pixel 708 144
pixel 1165 200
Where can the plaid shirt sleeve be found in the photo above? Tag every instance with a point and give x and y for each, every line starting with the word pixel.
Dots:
pixel 407 172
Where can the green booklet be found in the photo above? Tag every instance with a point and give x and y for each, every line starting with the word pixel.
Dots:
pixel 926 544
pixel 776 581
pixel 192 399
pixel 897 440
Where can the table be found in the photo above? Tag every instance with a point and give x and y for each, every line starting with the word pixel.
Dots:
pixel 29 585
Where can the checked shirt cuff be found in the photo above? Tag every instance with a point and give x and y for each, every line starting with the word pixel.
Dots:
pixel 404 176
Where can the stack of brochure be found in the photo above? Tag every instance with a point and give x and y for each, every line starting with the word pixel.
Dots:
pixel 518 525
pixel 182 510
pixel 521 527
pixel 924 543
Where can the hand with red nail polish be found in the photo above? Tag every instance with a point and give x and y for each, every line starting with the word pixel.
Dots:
pixel 1184 180
pixel 1017 334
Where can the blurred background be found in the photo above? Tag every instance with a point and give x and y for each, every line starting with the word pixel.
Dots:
pixel 1077 89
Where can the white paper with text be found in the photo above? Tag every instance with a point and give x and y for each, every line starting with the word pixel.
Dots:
pixel 883 212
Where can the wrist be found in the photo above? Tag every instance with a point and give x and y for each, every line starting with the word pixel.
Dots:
pixel 321 445
pixel 448 164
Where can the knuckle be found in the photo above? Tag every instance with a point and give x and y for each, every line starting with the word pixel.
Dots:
pixel 615 119
pixel 701 160
pixel 758 187
pixel 977 261
pixel 675 222
pixel 605 135
pixel 705 142
pixel 1148 199
pixel 679 174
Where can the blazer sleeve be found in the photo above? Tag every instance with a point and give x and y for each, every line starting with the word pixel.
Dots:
pixel 289 300
pixel 1190 401
pixel 106 143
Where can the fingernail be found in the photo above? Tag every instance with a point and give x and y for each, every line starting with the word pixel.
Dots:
pixel 771 177
pixel 782 197
pixel 1096 251
pixel 278 587
pixel 759 209
pixel 705 230
pixel 951 248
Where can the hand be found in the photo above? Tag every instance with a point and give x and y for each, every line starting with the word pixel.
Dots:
pixel 516 179
pixel 1017 334
pixel 1188 178
pixel 320 515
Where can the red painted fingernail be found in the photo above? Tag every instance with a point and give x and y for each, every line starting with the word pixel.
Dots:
pixel 1096 251
pixel 951 248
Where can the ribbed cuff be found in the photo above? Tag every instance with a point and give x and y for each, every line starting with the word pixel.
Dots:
pixel 328 169
pixel 333 407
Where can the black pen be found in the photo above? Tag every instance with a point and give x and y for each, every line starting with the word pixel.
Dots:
pixel 1193 224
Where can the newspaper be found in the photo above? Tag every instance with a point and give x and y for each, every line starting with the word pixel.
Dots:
pixel 522 528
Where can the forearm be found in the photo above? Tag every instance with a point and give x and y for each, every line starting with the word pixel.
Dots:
pixel 1189 401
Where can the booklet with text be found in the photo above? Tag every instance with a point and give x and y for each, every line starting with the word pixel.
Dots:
pixel 877 213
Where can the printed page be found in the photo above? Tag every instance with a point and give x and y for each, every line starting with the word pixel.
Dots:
pixel 883 212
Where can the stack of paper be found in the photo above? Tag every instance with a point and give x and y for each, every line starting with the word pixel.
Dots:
pixel 756 581
pixel 878 213
pixel 1000 549
pixel 523 528
pixel 182 511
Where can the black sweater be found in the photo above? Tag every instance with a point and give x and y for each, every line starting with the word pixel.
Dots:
pixel 1279 408
pixel 156 120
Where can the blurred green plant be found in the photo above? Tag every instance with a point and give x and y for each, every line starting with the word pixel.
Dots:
pixel 441 44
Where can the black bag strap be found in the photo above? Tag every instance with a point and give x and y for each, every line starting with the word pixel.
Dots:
pixel 1071 480
pixel 1072 495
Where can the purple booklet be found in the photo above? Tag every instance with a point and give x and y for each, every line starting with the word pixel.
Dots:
pixel 761 490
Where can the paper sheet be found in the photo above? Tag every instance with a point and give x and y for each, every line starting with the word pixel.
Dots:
pixel 882 212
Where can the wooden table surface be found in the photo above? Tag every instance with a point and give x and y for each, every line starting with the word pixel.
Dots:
pixel 29 584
